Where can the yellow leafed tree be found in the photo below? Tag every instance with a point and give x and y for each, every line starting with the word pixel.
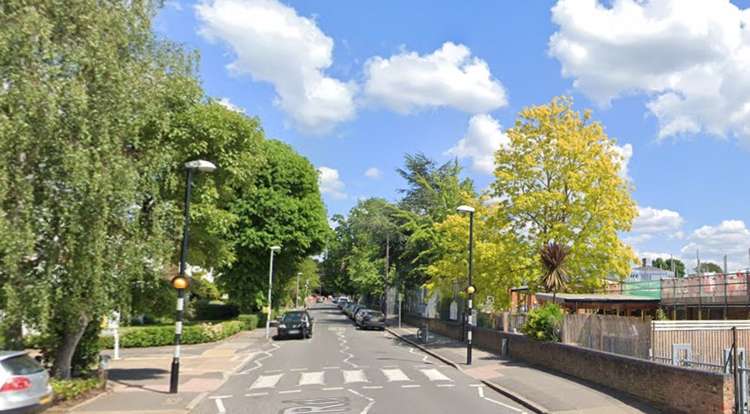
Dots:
pixel 559 181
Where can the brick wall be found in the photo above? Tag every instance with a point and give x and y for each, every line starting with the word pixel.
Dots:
pixel 674 389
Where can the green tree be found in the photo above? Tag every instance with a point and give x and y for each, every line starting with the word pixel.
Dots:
pixel 559 181
pixel 666 264
pixel 709 267
pixel 79 84
pixel 281 206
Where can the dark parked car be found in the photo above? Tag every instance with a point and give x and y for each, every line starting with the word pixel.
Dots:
pixel 24 384
pixel 353 310
pixel 370 319
pixel 295 323
pixel 357 311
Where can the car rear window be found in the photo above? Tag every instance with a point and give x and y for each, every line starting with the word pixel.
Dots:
pixel 376 314
pixel 21 365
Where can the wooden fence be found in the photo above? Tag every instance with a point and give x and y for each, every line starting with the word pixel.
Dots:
pixel 616 334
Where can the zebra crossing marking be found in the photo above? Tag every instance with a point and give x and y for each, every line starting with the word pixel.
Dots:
pixel 311 378
pixel 395 375
pixel 354 375
pixel 266 381
pixel 434 375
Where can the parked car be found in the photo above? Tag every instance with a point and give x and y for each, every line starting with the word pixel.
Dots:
pixel 370 319
pixel 354 310
pixel 348 308
pixel 359 311
pixel 25 384
pixel 295 323
pixel 342 301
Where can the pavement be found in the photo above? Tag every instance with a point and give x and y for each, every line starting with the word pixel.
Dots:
pixel 534 388
pixel 139 380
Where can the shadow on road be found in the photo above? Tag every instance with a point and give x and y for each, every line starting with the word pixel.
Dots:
pixel 120 374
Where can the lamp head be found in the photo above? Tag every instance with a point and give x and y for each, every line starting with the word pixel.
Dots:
pixel 471 289
pixel 465 209
pixel 275 249
pixel 200 165
pixel 180 282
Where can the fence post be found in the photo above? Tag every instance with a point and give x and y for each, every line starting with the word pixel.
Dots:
pixel 736 372
pixel 725 296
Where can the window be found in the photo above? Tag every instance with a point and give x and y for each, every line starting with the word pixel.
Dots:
pixel 21 365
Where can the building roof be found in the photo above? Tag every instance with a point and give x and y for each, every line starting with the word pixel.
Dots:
pixel 595 297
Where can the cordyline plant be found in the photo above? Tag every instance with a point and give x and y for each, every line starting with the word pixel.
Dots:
pixel 553 257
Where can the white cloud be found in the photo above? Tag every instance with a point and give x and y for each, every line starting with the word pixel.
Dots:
pixel 730 237
pixel 653 220
pixel 330 183
pixel 272 43
pixel 226 103
pixel 483 138
pixel 691 57
pixel 448 77
pixel 625 152
pixel 373 173
pixel 637 239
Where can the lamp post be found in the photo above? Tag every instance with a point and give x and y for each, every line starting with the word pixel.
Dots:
pixel 296 300
pixel 470 288
pixel 274 249
pixel 180 282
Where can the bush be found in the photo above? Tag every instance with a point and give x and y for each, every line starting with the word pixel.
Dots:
pixel 141 337
pixel 86 355
pixel 543 323
pixel 207 311
pixel 249 322
pixel 73 388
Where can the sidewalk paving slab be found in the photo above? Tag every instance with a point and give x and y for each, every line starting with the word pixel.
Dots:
pixel 540 390
pixel 139 381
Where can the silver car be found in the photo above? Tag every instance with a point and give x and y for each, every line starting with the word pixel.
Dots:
pixel 24 384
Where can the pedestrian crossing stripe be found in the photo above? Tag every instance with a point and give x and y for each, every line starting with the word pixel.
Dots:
pixel 395 375
pixel 356 375
pixel 311 378
pixel 435 375
pixel 350 376
pixel 266 381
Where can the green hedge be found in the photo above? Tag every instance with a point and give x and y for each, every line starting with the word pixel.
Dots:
pixel 249 322
pixel 139 337
pixel 71 389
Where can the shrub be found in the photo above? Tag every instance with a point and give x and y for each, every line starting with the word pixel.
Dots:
pixel 207 311
pixel 543 323
pixel 86 355
pixel 73 388
pixel 140 337
pixel 249 322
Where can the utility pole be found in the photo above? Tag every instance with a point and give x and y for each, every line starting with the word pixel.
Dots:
pixel 296 299
pixel 385 282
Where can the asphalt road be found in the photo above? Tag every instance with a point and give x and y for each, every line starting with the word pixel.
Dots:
pixel 345 370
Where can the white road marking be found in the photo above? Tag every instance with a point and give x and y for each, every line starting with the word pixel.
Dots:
pixel 445 385
pixel 289 391
pixel 272 371
pixel 258 364
pixel 333 389
pixel 372 387
pixel 266 381
pixel 480 390
pixel 331 367
pixel 476 385
pixel 219 403
pixel 298 369
pixel 435 375
pixel 355 375
pixel 256 394
pixel 310 378
pixel 394 375
pixel 390 366
pixel 371 400
pixel 411 386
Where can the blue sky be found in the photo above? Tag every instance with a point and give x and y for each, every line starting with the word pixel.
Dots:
pixel 355 87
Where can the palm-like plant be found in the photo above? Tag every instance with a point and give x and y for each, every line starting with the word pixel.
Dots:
pixel 553 257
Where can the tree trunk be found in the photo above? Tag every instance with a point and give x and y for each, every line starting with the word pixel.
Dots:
pixel 64 355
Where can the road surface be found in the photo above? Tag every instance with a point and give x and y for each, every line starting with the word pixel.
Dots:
pixel 345 370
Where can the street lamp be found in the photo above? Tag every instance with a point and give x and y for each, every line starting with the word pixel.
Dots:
pixel 470 289
pixel 274 249
pixel 296 300
pixel 180 282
